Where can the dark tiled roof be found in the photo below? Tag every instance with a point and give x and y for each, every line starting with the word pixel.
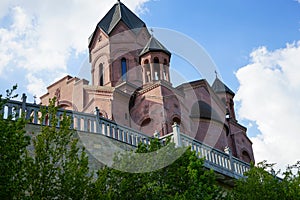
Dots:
pixel 119 12
pixel 219 86
pixel 154 45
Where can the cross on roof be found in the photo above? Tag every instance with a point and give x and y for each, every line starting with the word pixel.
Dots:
pixel 216 73
pixel 152 31
pixel 34 97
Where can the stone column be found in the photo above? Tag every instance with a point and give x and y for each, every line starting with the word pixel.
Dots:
pixel 144 74
pixel 24 97
pixel 161 70
pixel 152 74
pixel 167 73
pixel 110 74
pixel 176 135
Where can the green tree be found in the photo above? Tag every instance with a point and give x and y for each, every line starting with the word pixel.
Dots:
pixel 13 153
pixel 59 169
pixel 291 182
pixel 185 178
pixel 259 183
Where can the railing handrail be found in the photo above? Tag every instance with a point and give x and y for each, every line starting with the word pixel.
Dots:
pixel 218 160
pixel 230 165
pixel 123 126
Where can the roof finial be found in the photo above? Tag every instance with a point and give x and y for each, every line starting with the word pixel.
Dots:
pixel 216 74
pixel 152 31
pixel 34 101
pixel 119 1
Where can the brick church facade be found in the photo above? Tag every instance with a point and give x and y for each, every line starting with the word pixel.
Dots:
pixel 131 85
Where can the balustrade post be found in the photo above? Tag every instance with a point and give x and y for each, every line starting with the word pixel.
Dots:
pixel 228 151
pixel 156 134
pixel 78 123
pixel 24 97
pixel 176 135
pixel 58 119
pixel 85 124
pixel 72 123
pixel 98 126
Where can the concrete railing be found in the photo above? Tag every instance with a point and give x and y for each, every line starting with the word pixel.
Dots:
pixel 215 159
pixel 222 162
pixel 31 111
pixel 86 122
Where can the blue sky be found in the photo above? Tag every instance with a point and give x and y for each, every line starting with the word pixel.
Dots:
pixel 254 44
pixel 229 30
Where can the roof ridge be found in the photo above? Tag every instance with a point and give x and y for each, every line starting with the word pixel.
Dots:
pixel 119 12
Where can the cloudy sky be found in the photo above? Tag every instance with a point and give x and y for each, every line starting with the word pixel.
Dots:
pixel 255 45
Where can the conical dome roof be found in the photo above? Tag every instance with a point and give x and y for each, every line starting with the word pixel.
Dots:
pixel 154 45
pixel 119 12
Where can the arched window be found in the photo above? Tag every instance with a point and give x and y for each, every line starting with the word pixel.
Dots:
pixel 246 157
pixel 165 62
pixel 147 72
pixel 101 71
pixel 156 69
pixel 124 69
pixel 177 120
pixel 146 122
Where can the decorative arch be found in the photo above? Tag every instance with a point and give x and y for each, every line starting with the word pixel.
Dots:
pixel 146 122
pixel 103 114
pixel 140 121
pixel 246 156
pixel 65 103
pixel 177 120
pixel 94 62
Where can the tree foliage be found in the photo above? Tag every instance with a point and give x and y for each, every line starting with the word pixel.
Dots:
pixel 185 178
pixel 13 154
pixel 261 182
pixel 59 168
pixel 56 168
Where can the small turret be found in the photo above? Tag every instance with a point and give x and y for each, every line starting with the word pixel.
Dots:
pixel 155 61
pixel 226 95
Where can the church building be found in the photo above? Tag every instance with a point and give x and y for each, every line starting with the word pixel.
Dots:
pixel 131 85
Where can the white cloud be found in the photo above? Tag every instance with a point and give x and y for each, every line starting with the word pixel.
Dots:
pixel 269 95
pixel 36 85
pixel 38 37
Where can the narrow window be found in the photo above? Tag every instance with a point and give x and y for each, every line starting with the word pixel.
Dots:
pixel 124 69
pixel 101 82
pixel 156 69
